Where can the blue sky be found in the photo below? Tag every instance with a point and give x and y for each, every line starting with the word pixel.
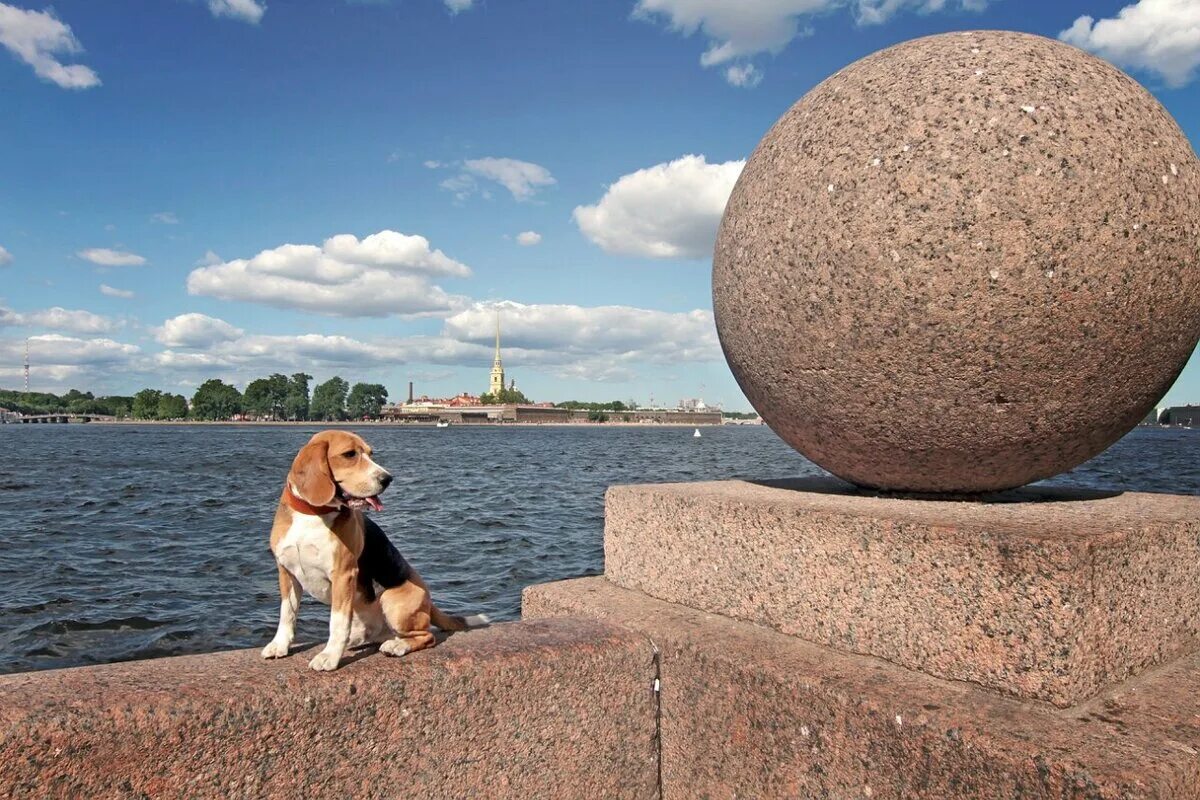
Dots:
pixel 428 160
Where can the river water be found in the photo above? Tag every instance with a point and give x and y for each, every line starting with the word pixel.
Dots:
pixel 121 542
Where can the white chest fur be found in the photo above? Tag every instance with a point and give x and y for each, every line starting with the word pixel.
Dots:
pixel 306 551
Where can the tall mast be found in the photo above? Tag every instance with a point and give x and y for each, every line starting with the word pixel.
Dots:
pixel 26 365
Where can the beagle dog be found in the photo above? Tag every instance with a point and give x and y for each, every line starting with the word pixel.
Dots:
pixel 324 544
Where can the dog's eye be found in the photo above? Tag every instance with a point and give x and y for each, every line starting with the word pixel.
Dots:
pixel 349 454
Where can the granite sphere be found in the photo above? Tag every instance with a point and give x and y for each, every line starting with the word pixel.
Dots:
pixel 962 264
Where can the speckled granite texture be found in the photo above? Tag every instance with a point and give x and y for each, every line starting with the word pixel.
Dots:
pixel 1039 593
pixel 963 263
pixel 544 709
pixel 750 713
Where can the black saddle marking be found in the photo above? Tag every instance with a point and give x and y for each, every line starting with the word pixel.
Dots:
pixel 380 563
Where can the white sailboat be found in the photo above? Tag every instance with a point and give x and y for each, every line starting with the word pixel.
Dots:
pixel 696 434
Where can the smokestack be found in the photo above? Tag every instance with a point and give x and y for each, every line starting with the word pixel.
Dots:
pixel 410 392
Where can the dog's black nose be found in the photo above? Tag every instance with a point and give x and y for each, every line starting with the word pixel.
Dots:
pixel 386 480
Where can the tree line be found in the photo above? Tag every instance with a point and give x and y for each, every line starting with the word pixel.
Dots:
pixel 503 395
pixel 580 405
pixel 73 402
pixel 276 397
pixel 283 397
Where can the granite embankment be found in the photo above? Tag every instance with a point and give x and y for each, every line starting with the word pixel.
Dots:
pixel 557 708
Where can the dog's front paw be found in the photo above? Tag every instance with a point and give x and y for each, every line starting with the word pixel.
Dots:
pixel 277 648
pixel 325 661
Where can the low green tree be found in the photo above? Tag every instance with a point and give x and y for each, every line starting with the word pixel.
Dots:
pixel 279 387
pixel 295 404
pixel 172 406
pixel 145 404
pixel 329 400
pixel 74 396
pixel 509 395
pixel 256 399
pixel 216 400
pixel 366 400
pixel 73 401
pixel 115 406
pixel 267 397
pixel 577 405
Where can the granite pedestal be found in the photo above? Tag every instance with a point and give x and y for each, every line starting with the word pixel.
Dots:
pixel 818 641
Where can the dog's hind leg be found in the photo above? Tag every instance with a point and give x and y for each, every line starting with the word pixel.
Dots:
pixel 407 608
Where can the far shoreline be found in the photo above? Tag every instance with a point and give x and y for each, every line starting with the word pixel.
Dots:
pixel 391 424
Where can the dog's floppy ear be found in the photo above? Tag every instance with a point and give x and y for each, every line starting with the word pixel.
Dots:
pixel 311 474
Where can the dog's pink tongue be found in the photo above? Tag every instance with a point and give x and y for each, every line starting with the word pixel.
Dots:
pixel 374 503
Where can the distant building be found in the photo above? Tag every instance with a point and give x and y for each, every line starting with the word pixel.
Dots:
pixel 696 404
pixel 541 413
pixel 461 400
pixel 7 415
pixel 1182 416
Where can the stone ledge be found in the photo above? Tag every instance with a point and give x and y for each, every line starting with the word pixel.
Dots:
pixel 540 709
pixel 1040 593
pixel 748 712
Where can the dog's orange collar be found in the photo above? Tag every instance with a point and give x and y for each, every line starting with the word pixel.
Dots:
pixel 299 504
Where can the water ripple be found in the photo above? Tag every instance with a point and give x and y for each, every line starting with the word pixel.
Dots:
pixel 133 542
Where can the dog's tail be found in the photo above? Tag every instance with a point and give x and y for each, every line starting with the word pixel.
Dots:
pixel 453 622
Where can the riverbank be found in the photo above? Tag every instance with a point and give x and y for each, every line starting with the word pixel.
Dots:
pixel 392 424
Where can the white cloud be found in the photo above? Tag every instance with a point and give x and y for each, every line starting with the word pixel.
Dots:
pixel 463 186
pixel 245 10
pixel 5 257
pixel 392 250
pixel 37 37
pixel 45 376
pixel 195 330
pixel 385 273
pixel 165 217
pixel 453 6
pixel 74 321
pixel 741 29
pixel 58 319
pixel 433 164
pixel 254 355
pixel 521 178
pixel 1161 36
pixel 109 291
pixel 666 211
pixel 249 354
pixel 877 12
pixel 734 29
pixel 54 349
pixel 208 259
pixel 744 75
pixel 598 343
pixel 529 238
pixel 111 258
pixel 565 334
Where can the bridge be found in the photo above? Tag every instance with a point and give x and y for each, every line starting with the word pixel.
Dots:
pixel 60 418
